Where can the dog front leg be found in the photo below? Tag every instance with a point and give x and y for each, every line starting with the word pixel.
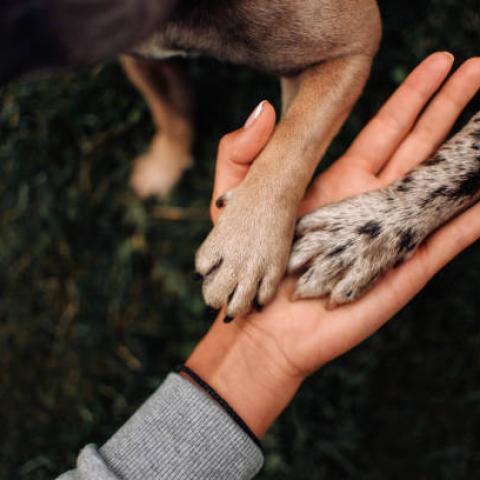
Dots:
pixel 246 254
pixel 343 248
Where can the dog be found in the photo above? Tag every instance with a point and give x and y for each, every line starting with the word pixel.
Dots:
pixel 322 50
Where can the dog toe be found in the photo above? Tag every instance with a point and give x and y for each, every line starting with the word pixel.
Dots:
pixel 243 297
pixel 354 284
pixel 269 285
pixel 219 284
pixel 319 279
pixel 305 249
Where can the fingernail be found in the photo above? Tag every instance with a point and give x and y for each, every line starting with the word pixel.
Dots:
pixel 228 319
pixel 449 55
pixel 254 115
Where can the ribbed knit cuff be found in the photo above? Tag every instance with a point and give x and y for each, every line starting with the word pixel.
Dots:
pixel 181 433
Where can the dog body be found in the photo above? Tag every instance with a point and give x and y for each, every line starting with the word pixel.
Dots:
pixel 322 50
pixel 282 37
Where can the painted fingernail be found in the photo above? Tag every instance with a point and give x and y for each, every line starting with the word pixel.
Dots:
pixel 228 319
pixel 197 277
pixel 254 115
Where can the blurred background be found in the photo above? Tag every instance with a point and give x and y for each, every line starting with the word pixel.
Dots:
pixel 97 302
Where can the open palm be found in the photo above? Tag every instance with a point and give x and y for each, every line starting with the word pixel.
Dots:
pixel 412 124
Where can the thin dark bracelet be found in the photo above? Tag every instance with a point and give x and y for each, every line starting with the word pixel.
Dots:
pixel 223 403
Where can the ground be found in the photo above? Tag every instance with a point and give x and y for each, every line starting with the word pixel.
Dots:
pixel 97 302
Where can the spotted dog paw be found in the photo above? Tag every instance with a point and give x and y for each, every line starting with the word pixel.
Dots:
pixel 343 248
pixel 245 256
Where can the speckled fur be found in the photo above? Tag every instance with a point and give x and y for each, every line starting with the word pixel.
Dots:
pixel 343 248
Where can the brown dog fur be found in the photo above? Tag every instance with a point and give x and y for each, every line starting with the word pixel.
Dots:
pixel 322 50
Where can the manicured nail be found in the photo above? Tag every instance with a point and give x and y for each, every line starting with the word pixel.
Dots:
pixel 197 277
pixel 228 319
pixel 254 115
pixel 449 55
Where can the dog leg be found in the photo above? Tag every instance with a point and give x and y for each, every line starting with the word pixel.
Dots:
pixel 162 84
pixel 344 247
pixel 246 254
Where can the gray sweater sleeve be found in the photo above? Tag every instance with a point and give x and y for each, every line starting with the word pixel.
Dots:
pixel 179 433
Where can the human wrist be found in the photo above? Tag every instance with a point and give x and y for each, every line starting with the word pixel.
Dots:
pixel 247 371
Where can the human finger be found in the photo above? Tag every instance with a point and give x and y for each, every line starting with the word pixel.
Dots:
pixel 238 149
pixel 436 122
pixel 377 142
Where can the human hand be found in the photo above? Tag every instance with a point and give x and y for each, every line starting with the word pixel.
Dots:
pixel 260 360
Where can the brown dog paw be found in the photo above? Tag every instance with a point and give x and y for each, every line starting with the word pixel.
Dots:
pixel 245 256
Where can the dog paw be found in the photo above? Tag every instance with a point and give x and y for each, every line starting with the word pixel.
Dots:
pixel 342 249
pixel 158 171
pixel 245 256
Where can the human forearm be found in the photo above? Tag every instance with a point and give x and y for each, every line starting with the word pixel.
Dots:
pixel 179 433
pixel 248 370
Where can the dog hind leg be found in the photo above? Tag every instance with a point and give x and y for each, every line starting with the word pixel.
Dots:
pixel 164 88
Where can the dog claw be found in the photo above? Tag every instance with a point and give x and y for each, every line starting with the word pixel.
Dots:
pixel 257 305
pixel 197 277
pixel 222 200
pixel 220 203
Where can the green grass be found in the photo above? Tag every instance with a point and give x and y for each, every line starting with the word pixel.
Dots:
pixel 97 304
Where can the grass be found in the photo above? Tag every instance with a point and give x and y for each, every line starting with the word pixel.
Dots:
pixel 97 304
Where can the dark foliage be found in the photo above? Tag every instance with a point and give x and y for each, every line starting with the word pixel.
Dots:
pixel 97 302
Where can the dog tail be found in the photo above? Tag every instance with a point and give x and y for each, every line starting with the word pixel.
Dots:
pixel 39 34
